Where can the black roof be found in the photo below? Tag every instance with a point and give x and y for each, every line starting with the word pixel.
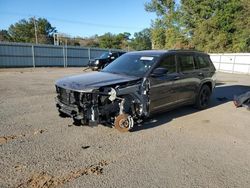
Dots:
pixel 161 52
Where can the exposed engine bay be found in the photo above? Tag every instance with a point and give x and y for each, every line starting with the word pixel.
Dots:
pixel 119 105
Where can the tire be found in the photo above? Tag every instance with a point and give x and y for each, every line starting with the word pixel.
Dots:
pixel 203 98
pixel 77 122
pixel 103 66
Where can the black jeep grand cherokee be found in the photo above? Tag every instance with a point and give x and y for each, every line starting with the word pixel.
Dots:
pixel 137 85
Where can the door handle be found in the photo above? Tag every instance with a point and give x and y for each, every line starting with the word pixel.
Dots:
pixel 201 74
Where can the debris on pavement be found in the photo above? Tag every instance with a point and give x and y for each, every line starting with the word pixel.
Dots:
pixel 85 147
pixel 5 139
pixel 39 131
pixel 45 180
pixel 242 100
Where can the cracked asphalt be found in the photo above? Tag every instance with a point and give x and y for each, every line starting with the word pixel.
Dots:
pixel 180 148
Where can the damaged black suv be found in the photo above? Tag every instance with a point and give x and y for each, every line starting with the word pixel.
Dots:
pixel 137 85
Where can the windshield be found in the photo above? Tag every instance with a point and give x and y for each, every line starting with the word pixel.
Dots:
pixel 133 65
pixel 105 55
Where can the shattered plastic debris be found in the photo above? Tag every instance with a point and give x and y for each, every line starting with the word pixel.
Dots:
pixel 39 131
pixel 85 147
pixel 45 180
pixel 19 167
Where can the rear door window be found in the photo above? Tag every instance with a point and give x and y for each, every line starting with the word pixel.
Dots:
pixel 186 62
pixel 169 63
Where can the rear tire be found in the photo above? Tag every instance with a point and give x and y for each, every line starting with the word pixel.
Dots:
pixel 203 98
pixel 103 66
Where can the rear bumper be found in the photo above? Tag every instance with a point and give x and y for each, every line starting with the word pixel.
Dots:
pixel 70 110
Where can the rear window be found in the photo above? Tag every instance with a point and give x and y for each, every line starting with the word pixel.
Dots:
pixel 202 61
pixel 186 62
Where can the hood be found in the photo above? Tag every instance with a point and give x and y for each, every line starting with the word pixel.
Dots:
pixel 93 80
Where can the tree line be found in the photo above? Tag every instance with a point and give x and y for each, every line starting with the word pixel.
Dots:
pixel 41 30
pixel 206 25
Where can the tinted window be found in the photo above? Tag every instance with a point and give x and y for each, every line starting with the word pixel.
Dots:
pixel 105 55
pixel 202 61
pixel 169 63
pixel 186 62
pixel 131 64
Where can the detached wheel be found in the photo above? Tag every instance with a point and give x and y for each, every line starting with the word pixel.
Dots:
pixel 203 98
pixel 124 122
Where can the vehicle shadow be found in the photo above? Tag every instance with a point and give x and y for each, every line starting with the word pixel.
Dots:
pixel 222 94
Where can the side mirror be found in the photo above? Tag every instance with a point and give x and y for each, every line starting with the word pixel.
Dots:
pixel 160 71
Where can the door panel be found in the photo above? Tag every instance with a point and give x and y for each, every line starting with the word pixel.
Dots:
pixel 185 87
pixel 161 93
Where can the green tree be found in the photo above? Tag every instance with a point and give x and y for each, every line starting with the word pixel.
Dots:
pixel 24 31
pixel 241 39
pixel 141 40
pixel 109 40
pixel 211 25
pixel 89 41
pixel 158 35
pixel 4 36
pixel 166 29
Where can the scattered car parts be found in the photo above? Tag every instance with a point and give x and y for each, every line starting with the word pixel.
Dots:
pixel 242 100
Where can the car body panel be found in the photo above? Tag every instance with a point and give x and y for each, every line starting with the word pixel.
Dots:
pixel 92 80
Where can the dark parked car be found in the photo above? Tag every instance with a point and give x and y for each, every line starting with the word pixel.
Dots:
pixel 137 85
pixel 104 60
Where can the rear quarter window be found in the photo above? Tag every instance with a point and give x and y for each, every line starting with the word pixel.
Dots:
pixel 202 61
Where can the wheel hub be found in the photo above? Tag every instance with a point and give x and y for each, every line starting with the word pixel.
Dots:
pixel 123 122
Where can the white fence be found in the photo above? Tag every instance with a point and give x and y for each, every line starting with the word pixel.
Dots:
pixel 232 62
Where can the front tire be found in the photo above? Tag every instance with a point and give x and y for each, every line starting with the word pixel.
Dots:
pixel 77 122
pixel 203 98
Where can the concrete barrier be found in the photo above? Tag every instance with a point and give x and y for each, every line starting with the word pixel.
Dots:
pixel 232 62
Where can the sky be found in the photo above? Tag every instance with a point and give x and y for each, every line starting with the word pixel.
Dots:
pixel 82 18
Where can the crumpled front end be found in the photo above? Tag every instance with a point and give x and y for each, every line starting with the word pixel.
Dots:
pixel 119 105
